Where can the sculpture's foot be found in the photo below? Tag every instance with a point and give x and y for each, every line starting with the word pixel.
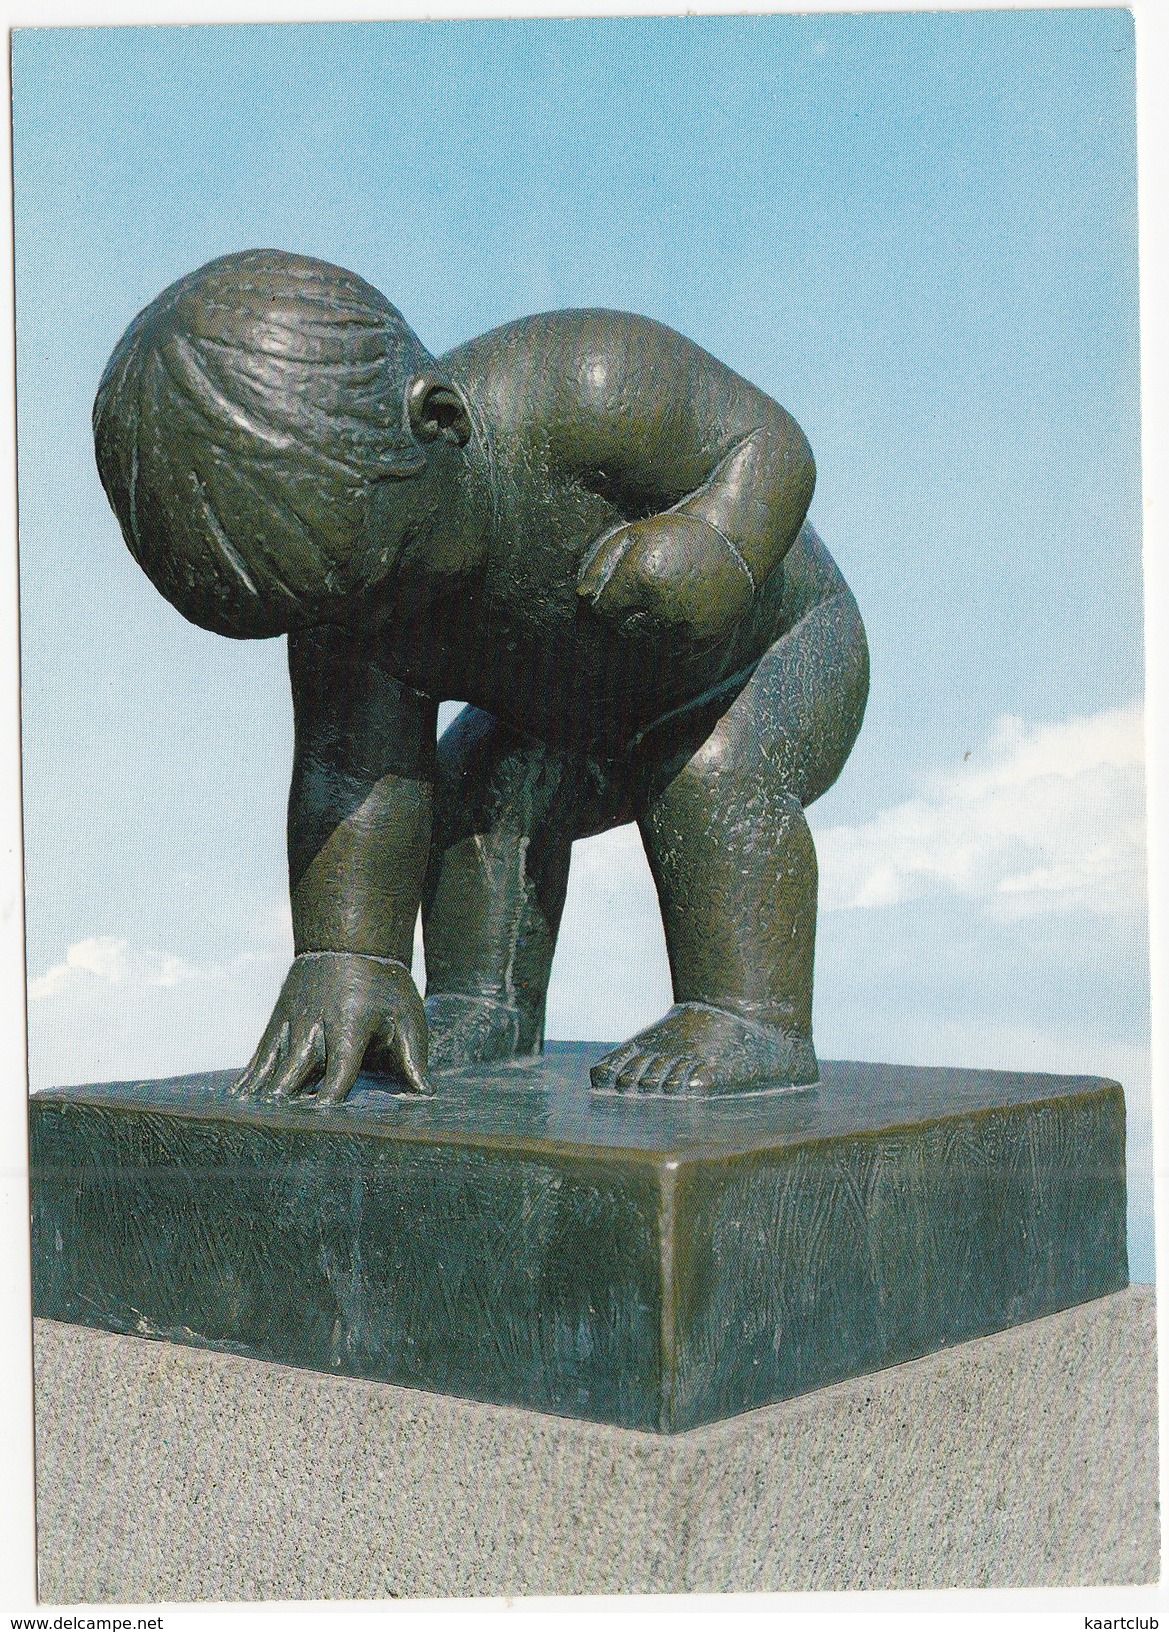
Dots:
pixel 467 1030
pixel 698 1049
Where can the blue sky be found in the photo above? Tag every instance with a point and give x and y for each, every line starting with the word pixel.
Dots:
pixel 918 231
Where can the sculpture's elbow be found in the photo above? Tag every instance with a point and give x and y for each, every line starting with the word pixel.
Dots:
pixel 800 472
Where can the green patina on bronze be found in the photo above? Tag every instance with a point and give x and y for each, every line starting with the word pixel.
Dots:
pixel 520 1239
pixel 592 532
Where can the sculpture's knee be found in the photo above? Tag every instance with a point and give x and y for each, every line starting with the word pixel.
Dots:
pixel 737 766
pixel 714 760
pixel 723 757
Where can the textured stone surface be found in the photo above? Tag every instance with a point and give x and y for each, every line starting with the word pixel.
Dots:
pixel 167 1473
pixel 657 1265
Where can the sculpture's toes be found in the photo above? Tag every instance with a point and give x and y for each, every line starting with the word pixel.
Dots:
pixel 632 1070
pixel 629 1075
pixel 607 1074
pixel 644 1072
pixel 702 1078
pixel 698 1049
pixel 654 1072
pixel 687 1075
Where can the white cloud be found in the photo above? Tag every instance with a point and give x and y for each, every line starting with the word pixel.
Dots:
pixel 105 958
pixel 1046 818
pixel 111 1012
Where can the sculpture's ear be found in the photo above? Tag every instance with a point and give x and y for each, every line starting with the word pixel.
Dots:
pixel 436 408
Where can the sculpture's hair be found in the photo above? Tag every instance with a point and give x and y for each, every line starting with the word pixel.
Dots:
pixel 240 425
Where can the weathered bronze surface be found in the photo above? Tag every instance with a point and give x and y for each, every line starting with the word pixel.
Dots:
pixel 589 530
pixel 517 1238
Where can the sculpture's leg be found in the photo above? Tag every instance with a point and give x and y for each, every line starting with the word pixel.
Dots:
pixel 736 870
pixel 500 852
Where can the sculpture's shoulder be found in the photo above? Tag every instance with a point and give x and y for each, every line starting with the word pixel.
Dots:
pixel 591 368
pixel 567 335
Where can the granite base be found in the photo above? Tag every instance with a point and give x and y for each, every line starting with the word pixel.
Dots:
pixel 167 1474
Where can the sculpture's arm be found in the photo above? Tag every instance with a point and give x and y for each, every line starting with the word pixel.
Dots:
pixel 358 839
pixel 698 566
pixel 655 418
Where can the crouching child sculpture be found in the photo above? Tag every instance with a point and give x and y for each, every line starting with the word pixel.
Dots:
pixel 593 533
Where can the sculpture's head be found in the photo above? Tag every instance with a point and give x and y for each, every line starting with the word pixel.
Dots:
pixel 264 430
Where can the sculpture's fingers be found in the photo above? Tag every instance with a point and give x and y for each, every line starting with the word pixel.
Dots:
pixel 264 1060
pixel 343 1068
pixel 603 561
pixel 306 1054
pixel 409 1045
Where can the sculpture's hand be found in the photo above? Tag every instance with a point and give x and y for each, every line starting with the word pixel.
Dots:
pixel 332 1008
pixel 671 573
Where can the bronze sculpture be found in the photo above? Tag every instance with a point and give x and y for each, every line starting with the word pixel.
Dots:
pixel 594 535
pixel 593 532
